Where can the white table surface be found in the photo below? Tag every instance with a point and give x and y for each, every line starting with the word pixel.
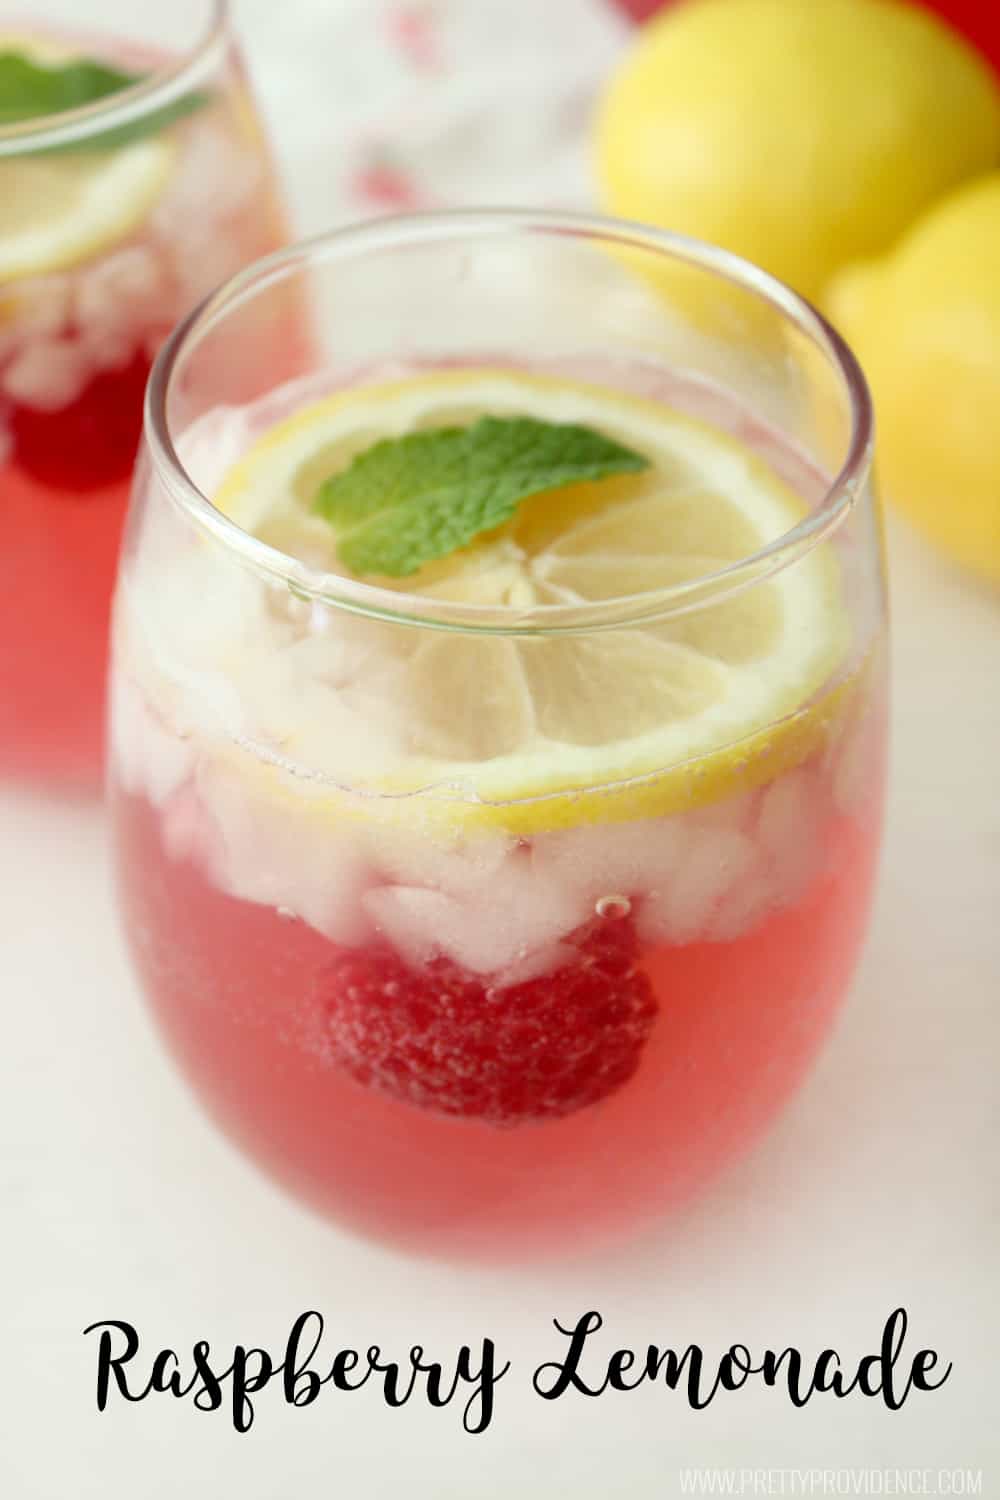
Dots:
pixel 879 1186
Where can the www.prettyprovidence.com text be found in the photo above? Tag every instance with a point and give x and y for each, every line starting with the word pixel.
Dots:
pixel 471 1377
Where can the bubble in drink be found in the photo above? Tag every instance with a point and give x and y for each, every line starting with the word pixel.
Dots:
pixel 613 906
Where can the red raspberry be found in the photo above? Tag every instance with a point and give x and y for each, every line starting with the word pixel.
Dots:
pixel 92 441
pixel 444 1039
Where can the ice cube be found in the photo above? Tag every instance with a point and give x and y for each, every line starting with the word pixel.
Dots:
pixel 736 811
pixel 168 761
pixel 149 758
pixel 412 919
pixel 201 261
pixel 215 177
pixel 790 832
pixel 187 833
pixel 126 716
pixel 628 859
pixel 108 349
pixel 716 861
pixel 507 919
pixel 47 374
pixel 745 905
pixel 542 961
pixel 43 306
pixel 209 447
pixel 321 729
pixel 520 909
pixel 278 848
pixel 125 293
pixel 855 771
pixel 460 867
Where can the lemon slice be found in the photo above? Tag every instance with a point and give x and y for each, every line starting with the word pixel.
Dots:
pixel 555 730
pixel 58 209
pixel 41 49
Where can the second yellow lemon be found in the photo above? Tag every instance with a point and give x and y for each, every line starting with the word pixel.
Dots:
pixel 925 320
pixel 802 134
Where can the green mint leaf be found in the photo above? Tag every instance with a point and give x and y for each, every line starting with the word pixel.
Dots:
pixel 30 90
pixel 410 500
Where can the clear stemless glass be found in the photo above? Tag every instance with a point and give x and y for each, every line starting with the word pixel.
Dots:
pixel 116 217
pixel 500 905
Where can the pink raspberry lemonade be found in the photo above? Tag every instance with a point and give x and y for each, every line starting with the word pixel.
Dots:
pixel 498 726
pixel 132 180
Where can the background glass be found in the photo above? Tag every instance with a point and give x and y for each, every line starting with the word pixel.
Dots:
pixel 138 205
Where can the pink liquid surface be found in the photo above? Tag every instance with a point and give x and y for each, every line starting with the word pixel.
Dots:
pixel 237 989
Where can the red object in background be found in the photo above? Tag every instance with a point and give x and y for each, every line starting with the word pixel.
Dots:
pixel 979 20
pixel 639 10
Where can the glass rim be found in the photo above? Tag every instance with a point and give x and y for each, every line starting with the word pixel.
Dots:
pixel 154 92
pixel 357 597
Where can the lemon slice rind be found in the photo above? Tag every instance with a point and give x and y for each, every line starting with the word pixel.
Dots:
pixel 59 211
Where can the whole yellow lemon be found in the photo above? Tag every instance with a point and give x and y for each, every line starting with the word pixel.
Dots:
pixel 800 133
pixel 925 322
